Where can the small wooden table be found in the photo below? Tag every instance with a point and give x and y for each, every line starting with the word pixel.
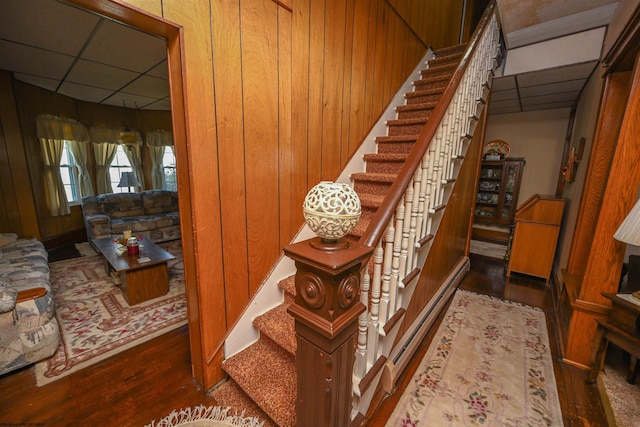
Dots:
pixel 139 282
pixel 622 328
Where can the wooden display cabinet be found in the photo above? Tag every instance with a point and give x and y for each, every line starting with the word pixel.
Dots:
pixel 498 187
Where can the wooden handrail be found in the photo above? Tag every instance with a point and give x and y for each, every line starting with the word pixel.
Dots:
pixel 383 215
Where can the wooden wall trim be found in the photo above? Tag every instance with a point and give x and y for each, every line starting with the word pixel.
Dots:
pixel 614 101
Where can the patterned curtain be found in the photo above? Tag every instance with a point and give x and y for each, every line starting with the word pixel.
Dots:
pixel 157 140
pixel 52 133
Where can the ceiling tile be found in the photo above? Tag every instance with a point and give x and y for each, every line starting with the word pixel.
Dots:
pixel 164 104
pixel 83 92
pixel 551 98
pixel 577 71
pixel 550 106
pixel 30 60
pixel 504 95
pixel 503 83
pixel 148 86
pixel 558 87
pixel 122 99
pixel 505 103
pixel 160 71
pixel 43 82
pixel 50 25
pixel 504 110
pixel 92 73
pixel 124 47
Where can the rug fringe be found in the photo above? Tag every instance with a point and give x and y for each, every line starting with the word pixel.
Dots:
pixel 202 412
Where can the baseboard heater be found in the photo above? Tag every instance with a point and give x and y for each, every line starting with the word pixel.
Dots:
pixel 407 346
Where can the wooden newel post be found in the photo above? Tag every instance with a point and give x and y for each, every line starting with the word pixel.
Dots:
pixel 326 312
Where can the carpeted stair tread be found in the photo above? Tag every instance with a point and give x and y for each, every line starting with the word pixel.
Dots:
pixel 397 138
pixel 385 163
pixel 400 127
pixel 279 326
pixel 267 374
pixel 359 229
pixel 370 201
pixel 288 285
pixel 410 121
pixel 434 78
pixel 450 50
pixel 389 157
pixel 230 395
pixel 415 110
pixel 423 96
pixel 373 177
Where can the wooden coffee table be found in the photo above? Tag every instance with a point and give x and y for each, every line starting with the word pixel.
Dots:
pixel 139 282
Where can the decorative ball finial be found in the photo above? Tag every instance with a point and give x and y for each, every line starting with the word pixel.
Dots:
pixel 331 210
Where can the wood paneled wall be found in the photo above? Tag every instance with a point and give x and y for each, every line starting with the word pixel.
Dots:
pixel 296 92
pixel 278 94
pixel 437 23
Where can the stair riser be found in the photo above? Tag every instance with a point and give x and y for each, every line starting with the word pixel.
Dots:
pixel 405 129
pixel 450 61
pixel 421 85
pixel 424 113
pixel 418 98
pixel 384 167
pixel 436 73
pixel 371 187
pixel 395 147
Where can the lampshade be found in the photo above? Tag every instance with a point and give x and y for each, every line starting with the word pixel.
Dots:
pixel 128 179
pixel 629 230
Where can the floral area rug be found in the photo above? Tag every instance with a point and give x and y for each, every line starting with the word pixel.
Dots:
pixel 489 364
pixel 95 320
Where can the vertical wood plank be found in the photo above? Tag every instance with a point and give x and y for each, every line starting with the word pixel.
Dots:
pixel 358 74
pixel 332 90
pixel 229 124
pixel 371 62
pixel 380 58
pixel 347 112
pixel 260 102
pixel 287 227
pixel 300 98
pixel 316 89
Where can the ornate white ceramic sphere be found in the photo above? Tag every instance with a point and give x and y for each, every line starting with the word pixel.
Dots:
pixel 331 209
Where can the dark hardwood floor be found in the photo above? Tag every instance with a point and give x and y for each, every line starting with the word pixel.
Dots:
pixel 147 382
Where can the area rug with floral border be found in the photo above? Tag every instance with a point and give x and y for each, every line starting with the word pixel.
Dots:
pixel 206 416
pixel 95 320
pixel 489 364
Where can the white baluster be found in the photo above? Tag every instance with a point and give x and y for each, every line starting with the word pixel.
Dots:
pixel 398 261
pixel 386 273
pixel 373 336
pixel 360 366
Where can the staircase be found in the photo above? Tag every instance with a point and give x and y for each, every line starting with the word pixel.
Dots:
pixel 262 378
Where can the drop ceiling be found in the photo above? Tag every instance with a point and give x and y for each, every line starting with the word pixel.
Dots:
pixel 70 51
pixel 553 47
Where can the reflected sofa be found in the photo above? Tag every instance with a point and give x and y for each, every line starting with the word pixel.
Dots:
pixel 28 328
pixel 152 213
